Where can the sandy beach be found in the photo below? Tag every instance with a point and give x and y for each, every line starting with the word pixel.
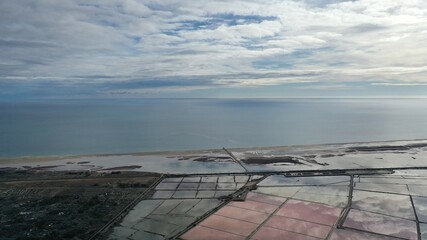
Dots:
pixel 327 156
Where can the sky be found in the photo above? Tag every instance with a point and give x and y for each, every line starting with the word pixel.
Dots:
pixel 52 49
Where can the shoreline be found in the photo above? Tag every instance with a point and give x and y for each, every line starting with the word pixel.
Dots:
pixel 47 158
pixel 406 153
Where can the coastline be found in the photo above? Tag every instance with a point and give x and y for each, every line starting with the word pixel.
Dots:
pixel 23 159
pixel 318 156
pixel 120 185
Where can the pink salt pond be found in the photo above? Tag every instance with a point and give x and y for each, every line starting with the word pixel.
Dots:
pixel 204 233
pixel 243 214
pixel 277 234
pixel 311 212
pixel 298 226
pixel 229 225
pixel 267 217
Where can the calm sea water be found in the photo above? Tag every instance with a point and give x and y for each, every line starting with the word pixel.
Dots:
pixel 119 126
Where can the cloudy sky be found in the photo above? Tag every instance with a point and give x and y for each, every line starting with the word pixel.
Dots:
pixel 212 48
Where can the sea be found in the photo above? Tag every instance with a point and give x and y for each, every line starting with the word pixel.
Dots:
pixel 74 127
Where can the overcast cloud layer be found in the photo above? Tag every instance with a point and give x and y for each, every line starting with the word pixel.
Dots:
pixel 134 48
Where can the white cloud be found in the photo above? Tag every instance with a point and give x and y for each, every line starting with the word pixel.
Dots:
pixel 399 84
pixel 326 41
pixel 328 87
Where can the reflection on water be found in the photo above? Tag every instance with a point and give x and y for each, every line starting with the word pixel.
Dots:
pixel 382 224
pixel 160 164
pixel 388 204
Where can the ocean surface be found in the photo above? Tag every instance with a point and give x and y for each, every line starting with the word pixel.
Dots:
pixel 121 126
